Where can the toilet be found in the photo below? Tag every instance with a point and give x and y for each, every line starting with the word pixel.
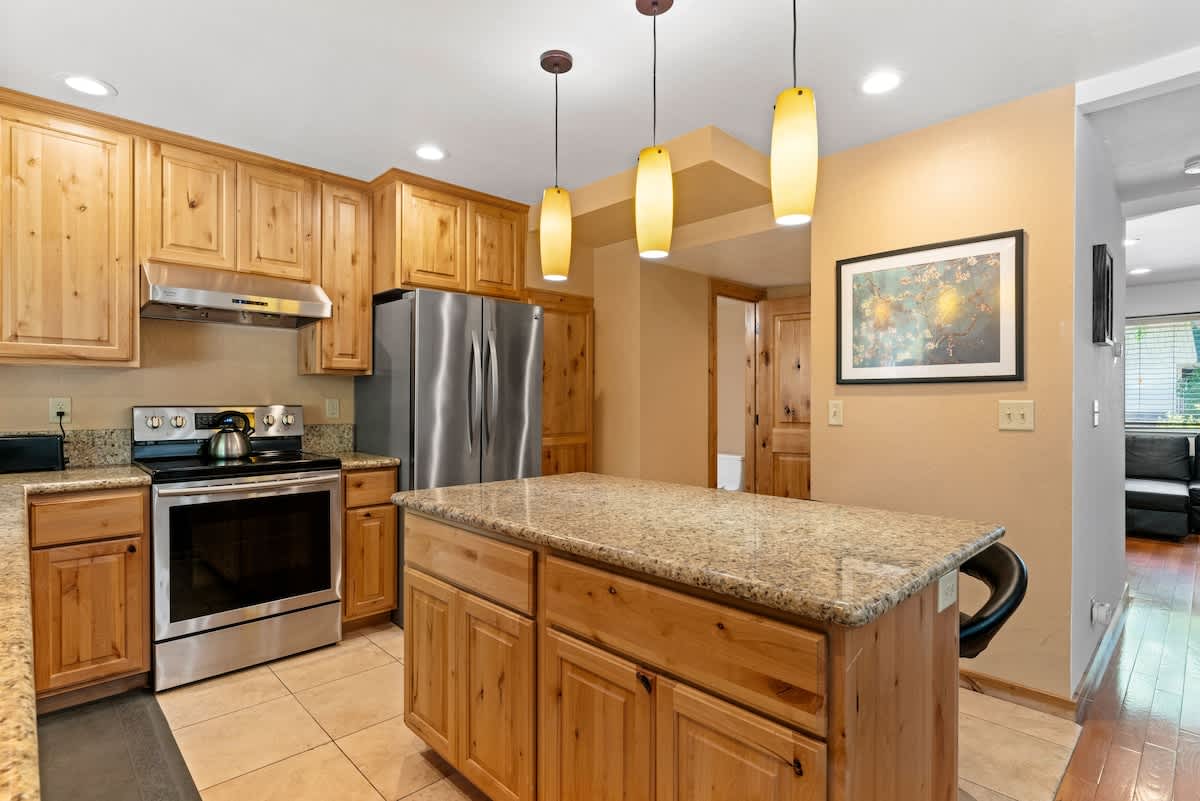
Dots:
pixel 729 471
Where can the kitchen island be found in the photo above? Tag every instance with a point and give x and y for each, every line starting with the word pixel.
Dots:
pixel 586 636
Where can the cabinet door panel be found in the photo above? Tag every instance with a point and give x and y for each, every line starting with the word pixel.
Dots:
pixel 370 561
pixel 495 250
pixel 277 229
pixel 433 239
pixel 89 609
pixel 496 691
pixel 431 609
pixel 596 724
pixel 192 206
pixel 783 398
pixel 66 235
pixel 709 750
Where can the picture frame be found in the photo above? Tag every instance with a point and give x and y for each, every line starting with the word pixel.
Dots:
pixel 947 312
pixel 1102 295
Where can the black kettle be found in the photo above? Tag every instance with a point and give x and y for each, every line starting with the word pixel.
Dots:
pixel 231 441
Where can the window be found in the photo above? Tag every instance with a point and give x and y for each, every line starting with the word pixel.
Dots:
pixel 1162 371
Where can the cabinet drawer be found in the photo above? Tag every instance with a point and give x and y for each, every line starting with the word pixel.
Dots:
pixel 86 516
pixel 771 666
pixel 370 487
pixel 493 569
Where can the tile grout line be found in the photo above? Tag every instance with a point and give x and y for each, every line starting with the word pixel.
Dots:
pixel 339 678
pixel 1024 733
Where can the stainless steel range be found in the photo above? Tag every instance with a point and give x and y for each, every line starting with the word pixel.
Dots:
pixel 246 552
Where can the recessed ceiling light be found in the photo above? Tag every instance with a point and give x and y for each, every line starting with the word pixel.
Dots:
pixel 90 86
pixel 1192 167
pixel 431 153
pixel 1139 271
pixel 880 81
pixel 1131 241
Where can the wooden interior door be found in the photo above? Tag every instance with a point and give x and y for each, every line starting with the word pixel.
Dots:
pixel 783 376
pixel 278 225
pixel 495 250
pixel 90 612
pixel 370 561
pixel 496 679
pixel 431 609
pixel 567 364
pixel 708 750
pixel 433 238
pixel 189 214
pixel 66 235
pixel 597 714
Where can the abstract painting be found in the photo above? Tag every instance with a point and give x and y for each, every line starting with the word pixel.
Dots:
pixel 945 312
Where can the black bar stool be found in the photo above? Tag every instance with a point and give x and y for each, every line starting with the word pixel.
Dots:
pixel 1007 578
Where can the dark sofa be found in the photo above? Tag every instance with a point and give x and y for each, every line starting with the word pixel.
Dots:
pixel 1162 488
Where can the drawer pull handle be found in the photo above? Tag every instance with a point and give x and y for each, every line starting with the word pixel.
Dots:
pixel 645 680
pixel 132 549
pixel 797 768
pixel 612 590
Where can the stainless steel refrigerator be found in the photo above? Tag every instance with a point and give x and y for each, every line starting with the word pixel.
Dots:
pixel 456 392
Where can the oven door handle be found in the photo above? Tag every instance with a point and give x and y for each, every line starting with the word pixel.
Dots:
pixel 249 487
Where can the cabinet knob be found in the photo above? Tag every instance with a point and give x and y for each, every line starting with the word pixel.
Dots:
pixel 797 768
pixel 647 685
pixel 132 549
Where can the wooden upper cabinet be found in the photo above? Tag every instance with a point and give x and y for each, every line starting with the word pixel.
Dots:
pixel 189 209
pixel 277 226
pixel 495 250
pixel 66 240
pixel 433 238
pixel 342 344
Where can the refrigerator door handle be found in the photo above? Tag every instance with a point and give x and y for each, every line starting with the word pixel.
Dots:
pixel 474 380
pixel 494 379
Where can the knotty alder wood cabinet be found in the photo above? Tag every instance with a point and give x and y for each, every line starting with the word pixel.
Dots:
pixel 651 692
pixel 439 236
pixel 369 543
pixel 89 561
pixel 567 369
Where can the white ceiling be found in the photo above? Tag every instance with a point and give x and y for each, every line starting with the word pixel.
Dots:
pixel 1169 246
pixel 353 86
pixel 1149 141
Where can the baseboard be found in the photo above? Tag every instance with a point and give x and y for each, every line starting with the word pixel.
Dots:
pixel 1040 700
pixel 350 626
pixel 62 699
pixel 1098 664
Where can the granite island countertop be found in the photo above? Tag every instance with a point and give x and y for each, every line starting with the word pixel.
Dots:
pixel 845 565
pixel 18 710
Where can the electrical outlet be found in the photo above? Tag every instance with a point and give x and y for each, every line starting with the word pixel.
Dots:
pixel 60 405
pixel 1016 415
pixel 836 413
pixel 333 408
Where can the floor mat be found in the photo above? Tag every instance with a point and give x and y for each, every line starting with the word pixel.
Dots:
pixel 117 749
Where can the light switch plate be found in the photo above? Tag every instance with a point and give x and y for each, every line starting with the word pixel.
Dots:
pixel 836 413
pixel 60 404
pixel 1016 415
pixel 947 590
pixel 333 408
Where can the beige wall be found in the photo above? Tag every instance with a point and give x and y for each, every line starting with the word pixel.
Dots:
pixel 731 376
pixel 936 448
pixel 182 362
pixel 616 411
pixel 580 275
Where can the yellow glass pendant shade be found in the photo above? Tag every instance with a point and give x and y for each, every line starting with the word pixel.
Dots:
pixel 654 203
pixel 794 156
pixel 554 234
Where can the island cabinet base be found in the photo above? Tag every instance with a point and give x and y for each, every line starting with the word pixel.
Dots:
pixel 633 690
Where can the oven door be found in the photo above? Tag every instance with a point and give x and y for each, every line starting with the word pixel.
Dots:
pixel 229 551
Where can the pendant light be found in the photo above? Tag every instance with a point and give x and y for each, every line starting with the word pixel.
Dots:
pixel 654 192
pixel 554 230
pixel 794 150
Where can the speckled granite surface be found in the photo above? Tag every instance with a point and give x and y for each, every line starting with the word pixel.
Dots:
pixel 329 437
pixel 91 447
pixel 18 713
pixel 842 564
pixel 355 460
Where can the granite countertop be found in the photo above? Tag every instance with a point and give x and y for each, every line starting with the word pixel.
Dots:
pixel 845 565
pixel 356 460
pixel 18 711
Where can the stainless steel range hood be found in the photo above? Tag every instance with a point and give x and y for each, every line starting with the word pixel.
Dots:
pixel 181 292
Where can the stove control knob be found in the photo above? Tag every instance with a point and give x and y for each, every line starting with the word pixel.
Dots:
pixel 269 419
pixel 289 419
pixel 154 421
pixel 178 421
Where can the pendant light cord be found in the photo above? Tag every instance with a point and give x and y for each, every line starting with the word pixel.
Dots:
pixel 556 130
pixel 654 77
pixel 794 27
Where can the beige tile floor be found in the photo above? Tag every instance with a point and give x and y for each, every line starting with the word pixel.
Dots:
pixel 327 724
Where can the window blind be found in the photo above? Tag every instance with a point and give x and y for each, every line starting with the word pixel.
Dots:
pixel 1162 371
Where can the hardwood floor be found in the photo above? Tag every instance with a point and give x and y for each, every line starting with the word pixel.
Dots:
pixel 1141 725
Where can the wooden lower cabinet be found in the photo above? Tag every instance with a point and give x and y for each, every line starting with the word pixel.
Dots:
pixel 597 716
pixel 708 750
pixel 431 661
pixel 370 563
pixel 90 612
pixel 496 680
